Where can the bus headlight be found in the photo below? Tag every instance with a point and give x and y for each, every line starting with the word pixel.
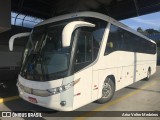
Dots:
pixel 63 88
pixel 60 89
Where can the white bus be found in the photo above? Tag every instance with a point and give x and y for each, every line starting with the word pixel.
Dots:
pixel 75 59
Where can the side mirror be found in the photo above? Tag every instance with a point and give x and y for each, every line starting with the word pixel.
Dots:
pixel 69 28
pixel 11 40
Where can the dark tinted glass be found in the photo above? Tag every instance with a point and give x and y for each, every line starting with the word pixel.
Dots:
pixel 123 40
pixel 114 42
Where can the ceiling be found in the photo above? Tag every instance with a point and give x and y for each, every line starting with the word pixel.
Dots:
pixel 118 9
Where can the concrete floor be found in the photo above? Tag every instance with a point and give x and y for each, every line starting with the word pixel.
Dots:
pixel 140 96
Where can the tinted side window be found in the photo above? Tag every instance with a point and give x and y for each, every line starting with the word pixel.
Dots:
pixel 150 47
pixel 144 46
pixel 154 48
pixel 114 40
pixel 120 39
pixel 97 38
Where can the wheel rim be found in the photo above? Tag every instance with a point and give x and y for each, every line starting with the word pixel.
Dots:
pixel 106 91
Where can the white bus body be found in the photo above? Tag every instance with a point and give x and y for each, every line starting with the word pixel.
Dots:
pixel 101 56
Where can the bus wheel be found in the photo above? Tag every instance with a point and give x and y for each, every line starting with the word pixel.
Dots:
pixel 107 91
pixel 148 74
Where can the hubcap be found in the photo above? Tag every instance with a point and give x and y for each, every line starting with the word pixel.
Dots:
pixel 106 90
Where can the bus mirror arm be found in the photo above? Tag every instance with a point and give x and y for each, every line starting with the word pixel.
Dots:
pixel 11 40
pixel 69 28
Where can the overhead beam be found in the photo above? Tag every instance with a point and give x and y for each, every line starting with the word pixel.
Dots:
pixel 118 9
pixel 136 6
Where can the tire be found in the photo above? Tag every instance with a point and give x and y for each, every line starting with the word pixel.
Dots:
pixel 148 75
pixel 107 91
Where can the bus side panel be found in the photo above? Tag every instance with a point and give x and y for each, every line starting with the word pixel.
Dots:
pixel 154 64
pixel 106 65
pixel 144 62
pixel 82 90
pixel 126 68
pixel 95 85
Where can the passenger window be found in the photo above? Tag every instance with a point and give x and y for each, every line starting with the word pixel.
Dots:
pixel 120 39
pixel 114 40
pixel 97 38
pixel 129 41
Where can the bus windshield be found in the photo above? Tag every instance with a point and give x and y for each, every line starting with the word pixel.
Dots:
pixel 44 55
pixel 45 58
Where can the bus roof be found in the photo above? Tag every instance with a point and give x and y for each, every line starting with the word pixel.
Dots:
pixel 94 15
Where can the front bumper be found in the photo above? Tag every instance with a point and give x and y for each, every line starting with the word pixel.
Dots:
pixel 51 102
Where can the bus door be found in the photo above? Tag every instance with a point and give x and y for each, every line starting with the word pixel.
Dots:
pixel 83 69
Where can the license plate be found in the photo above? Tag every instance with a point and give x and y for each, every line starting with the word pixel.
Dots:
pixel 33 100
